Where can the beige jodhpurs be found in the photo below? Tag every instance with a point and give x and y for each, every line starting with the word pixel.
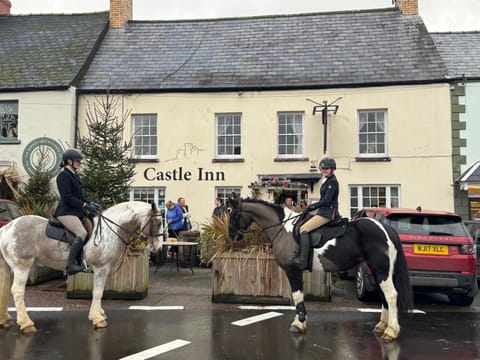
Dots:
pixel 315 222
pixel 73 223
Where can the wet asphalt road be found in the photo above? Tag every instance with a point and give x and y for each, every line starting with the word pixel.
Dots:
pixel 211 335
pixel 202 330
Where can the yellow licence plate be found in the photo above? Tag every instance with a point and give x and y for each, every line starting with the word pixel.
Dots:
pixel 430 249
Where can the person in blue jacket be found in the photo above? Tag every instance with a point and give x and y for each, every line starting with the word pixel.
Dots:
pixel 174 219
pixel 72 205
pixel 327 210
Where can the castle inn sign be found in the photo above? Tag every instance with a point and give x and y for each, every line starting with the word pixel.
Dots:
pixel 180 174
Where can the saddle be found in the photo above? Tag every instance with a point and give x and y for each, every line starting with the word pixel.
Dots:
pixel 56 230
pixel 318 237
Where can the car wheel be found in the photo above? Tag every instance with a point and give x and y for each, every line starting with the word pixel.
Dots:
pixel 461 299
pixel 361 284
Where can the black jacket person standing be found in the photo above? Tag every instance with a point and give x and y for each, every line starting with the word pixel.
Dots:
pixel 72 205
pixel 327 210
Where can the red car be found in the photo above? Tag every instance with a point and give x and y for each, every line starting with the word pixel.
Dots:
pixel 441 254
pixel 8 211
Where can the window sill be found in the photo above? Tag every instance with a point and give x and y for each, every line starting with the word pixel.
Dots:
pixel 373 159
pixel 237 160
pixel 139 160
pixel 289 159
pixel 9 141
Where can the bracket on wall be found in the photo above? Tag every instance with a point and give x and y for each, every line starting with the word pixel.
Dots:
pixel 324 108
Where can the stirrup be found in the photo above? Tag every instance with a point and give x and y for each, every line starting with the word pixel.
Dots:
pixel 86 269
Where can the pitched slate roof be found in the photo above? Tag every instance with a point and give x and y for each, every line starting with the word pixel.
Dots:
pixel 352 48
pixel 460 52
pixel 46 51
pixel 472 174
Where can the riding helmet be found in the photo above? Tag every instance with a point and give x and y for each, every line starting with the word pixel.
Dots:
pixel 71 154
pixel 327 163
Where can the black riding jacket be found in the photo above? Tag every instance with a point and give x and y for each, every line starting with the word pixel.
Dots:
pixel 71 194
pixel 328 204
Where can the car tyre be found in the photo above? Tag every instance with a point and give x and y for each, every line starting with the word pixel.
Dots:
pixel 361 284
pixel 461 299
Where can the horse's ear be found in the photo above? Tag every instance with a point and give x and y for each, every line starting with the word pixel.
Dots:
pixel 154 206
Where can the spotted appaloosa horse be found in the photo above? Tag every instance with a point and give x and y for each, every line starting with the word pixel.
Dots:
pixel 23 240
pixel 365 239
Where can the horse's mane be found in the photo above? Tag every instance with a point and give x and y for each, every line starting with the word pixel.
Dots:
pixel 129 212
pixel 277 208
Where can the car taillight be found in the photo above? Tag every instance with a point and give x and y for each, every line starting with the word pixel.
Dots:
pixel 468 249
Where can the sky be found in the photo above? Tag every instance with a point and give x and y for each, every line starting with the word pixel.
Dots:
pixel 438 15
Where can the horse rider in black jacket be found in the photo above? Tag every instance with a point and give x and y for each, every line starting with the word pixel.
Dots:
pixel 327 211
pixel 71 207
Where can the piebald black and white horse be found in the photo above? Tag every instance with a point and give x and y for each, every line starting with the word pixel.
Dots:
pixel 365 239
pixel 24 239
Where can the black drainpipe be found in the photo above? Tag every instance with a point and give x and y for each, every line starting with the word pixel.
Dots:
pixel 75 134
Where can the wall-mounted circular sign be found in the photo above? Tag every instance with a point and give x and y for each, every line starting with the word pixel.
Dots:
pixel 44 150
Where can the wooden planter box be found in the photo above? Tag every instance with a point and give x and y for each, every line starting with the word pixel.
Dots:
pixel 252 279
pixel 129 282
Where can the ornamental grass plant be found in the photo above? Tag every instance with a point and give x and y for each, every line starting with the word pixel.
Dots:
pixel 215 240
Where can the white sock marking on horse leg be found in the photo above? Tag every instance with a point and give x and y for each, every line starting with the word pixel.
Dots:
pixel 297 297
pixel 387 286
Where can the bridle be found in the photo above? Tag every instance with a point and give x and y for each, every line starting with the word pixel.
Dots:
pixel 242 232
pixel 138 234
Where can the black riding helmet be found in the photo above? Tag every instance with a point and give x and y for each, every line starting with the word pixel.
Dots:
pixel 327 163
pixel 71 154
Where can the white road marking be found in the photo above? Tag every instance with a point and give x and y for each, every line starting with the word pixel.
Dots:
pixel 366 310
pixel 256 318
pixel 266 307
pixel 172 307
pixel 39 309
pixel 157 350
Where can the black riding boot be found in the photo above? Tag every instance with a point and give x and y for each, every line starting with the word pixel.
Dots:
pixel 75 249
pixel 301 259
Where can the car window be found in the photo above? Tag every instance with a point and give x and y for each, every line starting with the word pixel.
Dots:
pixel 427 224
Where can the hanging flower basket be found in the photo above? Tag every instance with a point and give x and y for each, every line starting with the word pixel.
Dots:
pixel 276 187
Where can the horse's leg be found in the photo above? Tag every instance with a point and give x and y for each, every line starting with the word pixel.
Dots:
pixel 6 279
pixel 20 277
pixel 382 324
pixel 97 314
pixel 392 330
pixel 295 277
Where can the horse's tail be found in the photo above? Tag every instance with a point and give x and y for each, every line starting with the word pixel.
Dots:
pixel 401 279
pixel 6 279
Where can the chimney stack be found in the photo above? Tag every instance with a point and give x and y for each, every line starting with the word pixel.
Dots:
pixel 407 7
pixel 5 6
pixel 120 13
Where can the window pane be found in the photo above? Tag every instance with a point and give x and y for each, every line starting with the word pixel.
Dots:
pixel 373 196
pixel 290 134
pixel 372 136
pixel 144 135
pixel 229 131
pixel 8 120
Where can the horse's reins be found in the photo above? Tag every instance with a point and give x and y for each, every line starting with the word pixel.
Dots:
pixel 108 221
pixel 245 231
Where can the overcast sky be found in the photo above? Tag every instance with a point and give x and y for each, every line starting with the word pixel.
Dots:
pixel 438 15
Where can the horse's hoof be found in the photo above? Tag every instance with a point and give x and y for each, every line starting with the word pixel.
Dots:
pixel 7 324
pixel 387 339
pixel 101 324
pixel 295 330
pixel 29 329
